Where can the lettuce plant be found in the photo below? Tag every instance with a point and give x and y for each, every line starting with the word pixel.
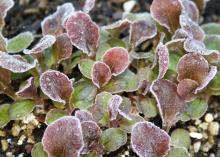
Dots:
pixel 105 84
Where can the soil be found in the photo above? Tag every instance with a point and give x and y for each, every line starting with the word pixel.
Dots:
pixel 27 15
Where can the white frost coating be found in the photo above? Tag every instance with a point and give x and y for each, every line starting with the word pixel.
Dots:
pixel 113 106
pixel 84 115
pixel 89 5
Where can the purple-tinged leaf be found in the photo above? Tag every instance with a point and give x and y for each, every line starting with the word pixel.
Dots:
pixel 113 106
pixel 186 88
pixel 46 42
pixel 5 5
pixel 29 91
pixel 64 138
pixel 15 63
pixel 192 28
pixel 190 9
pixel 163 59
pixel 166 13
pixel 53 24
pixel 148 140
pixel 56 85
pixel 192 66
pixel 117 58
pixel 83 115
pixel 62 47
pixel 170 104
pixel 209 77
pixel 141 31
pixel 91 137
pixel 88 6
pixel 101 74
pixel 3 42
pixel 180 34
pixel 83 32
pixel 201 4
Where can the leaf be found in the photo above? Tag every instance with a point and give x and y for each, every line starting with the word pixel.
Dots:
pixel 115 42
pixel 15 63
pixel 45 42
pixel 113 138
pixel 141 31
pixel 170 104
pixel 20 42
pixel 117 59
pixel 211 28
pixel 6 5
pixel 83 32
pixel 125 82
pixel 163 55
pixel 101 50
pixel 166 13
pixel 20 109
pixel 215 82
pixel 148 107
pixel 212 42
pixel 88 6
pixel 83 115
pixel 61 135
pixel 190 9
pixel 101 74
pixel 178 152
pixel 181 138
pixel 53 24
pixel 56 85
pixel 85 67
pixel 3 42
pixel 4 112
pixel 38 151
pixel 113 106
pixel 54 114
pixel 147 140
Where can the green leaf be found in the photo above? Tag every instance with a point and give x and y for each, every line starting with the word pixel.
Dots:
pixel 173 60
pixel 181 138
pixel 212 42
pixel 127 82
pixel 211 28
pixel 20 42
pixel 142 55
pixel 195 109
pixel 101 50
pixel 4 115
pixel 104 36
pixel 137 16
pixel 178 152
pixel 215 83
pixel 49 58
pixel 92 154
pixel 115 42
pixel 113 138
pixel 20 109
pixel 85 67
pixel 53 115
pixel 38 151
pixel 148 107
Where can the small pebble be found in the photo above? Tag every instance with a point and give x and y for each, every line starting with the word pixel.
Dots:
pixel 196 147
pixel 204 126
pixel 2 133
pixel 212 155
pixel 198 121
pixel 209 117
pixel 4 144
pixel 16 129
pixel 214 128
pixel 196 135
pixel 129 5
pixel 206 147
pixel 192 128
pixel 9 154
pixel 21 140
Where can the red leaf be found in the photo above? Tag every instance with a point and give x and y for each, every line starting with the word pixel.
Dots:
pixel 113 106
pixel 101 74
pixel 170 104
pixel 5 5
pixel 190 9
pixel 84 115
pixel 83 32
pixel 148 140
pixel 89 5
pixel 56 85
pixel 64 138
pixel 117 59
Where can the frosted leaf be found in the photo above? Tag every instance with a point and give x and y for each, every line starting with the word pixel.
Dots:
pixel 62 47
pixel 190 9
pixel 64 138
pixel 29 91
pixel 192 66
pixel 101 74
pixel 83 32
pixel 3 42
pixel 170 104
pixel 186 88
pixel 53 24
pixel 113 106
pixel 91 136
pixel 117 58
pixel 191 27
pixel 141 31
pixel 88 6
pixel 181 34
pixel 148 140
pixel 83 115
pixel 46 42
pixel 163 59
pixel 5 5
pixel 56 85
pixel 166 13
pixel 201 4
pixel 15 63
pixel 5 77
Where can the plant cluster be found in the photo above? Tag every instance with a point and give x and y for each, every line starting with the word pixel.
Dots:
pixel 145 64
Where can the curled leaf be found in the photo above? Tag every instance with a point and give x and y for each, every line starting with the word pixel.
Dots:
pixel 113 106
pixel 148 140
pixel 190 9
pixel 83 115
pixel 117 59
pixel 15 63
pixel 166 13
pixel 88 6
pixel 5 5
pixel 44 43
pixel 83 32
pixel 64 137
pixel 170 104
pixel 56 85
pixel 101 74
